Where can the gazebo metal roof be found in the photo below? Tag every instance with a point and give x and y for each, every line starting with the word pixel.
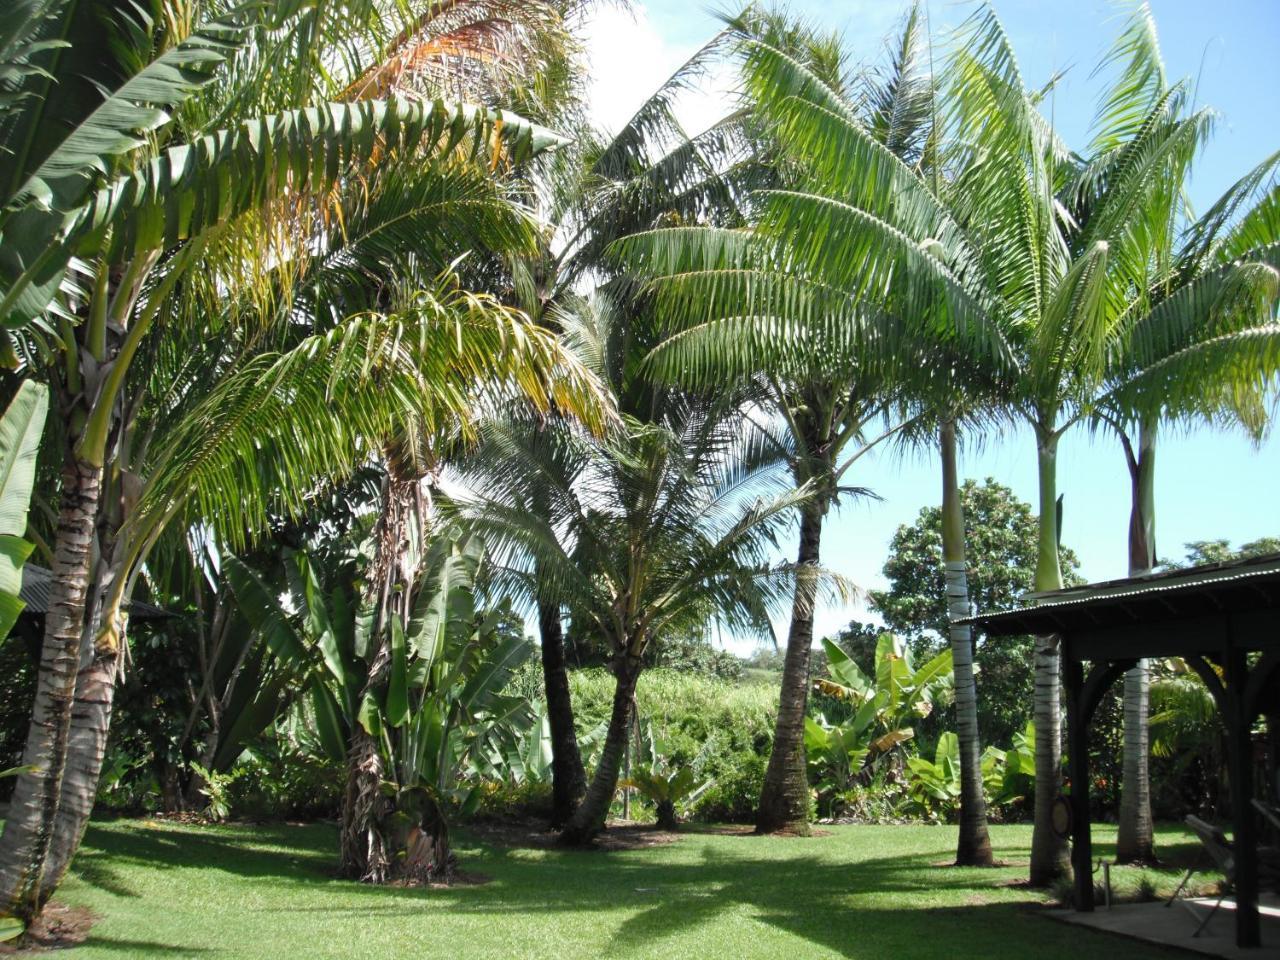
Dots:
pixel 35 595
pixel 1234 586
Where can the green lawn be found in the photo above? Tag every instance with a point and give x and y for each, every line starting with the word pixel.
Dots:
pixel 241 891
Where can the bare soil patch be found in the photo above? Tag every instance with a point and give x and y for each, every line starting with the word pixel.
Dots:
pixel 58 927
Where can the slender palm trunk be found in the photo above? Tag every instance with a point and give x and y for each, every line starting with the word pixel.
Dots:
pixel 784 800
pixel 33 813
pixel 568 776
pixel 588 820
pixel 1135 841
pixel 973 848
pixel 1048 850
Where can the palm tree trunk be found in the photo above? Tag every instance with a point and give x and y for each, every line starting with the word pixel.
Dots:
pixel 90 723
pixel 29 827
pixel 568 776
pixel 588 820
pixel 973 848
pixel 1048 850
pixel 363 853
pixel 784 800
pixel 1135 841
pixel 365 850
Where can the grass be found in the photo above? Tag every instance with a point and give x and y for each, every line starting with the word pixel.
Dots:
pixel 165 889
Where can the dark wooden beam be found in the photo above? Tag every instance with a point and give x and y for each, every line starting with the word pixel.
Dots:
pixel 1078 769
pixel 1245 838
pixel 1213 682
pixel 1098 681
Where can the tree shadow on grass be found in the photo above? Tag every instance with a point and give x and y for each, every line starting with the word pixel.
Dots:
pixel 292 853
pixel 881 907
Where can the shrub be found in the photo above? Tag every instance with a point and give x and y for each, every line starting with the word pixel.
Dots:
pixel 519 800
pixel 724 730
pixel 276 782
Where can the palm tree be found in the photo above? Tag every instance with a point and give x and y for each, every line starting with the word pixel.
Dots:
pixel 653 531
pixel 599 187
pixel 832 359
pixel 1203 345
pixel 127 207
pixel 981 248
pixel 498 358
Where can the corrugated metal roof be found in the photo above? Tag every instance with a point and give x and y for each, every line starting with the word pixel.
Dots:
pixel 36 581
pixel 1207 580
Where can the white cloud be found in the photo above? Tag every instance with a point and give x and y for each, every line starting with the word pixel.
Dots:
pixel 630 57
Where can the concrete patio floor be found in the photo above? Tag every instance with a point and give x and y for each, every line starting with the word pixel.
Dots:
pixel 1174 925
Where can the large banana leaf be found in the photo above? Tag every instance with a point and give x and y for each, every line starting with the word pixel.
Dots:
pixel 446 600
pixel 139 106
pixel 20 431
pixel 264 613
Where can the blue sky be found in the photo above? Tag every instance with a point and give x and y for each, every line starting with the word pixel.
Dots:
pixel 1209 485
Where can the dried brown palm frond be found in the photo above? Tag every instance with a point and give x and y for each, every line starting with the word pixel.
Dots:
pixel 466 49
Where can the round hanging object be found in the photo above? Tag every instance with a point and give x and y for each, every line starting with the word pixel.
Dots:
pixel 1060 816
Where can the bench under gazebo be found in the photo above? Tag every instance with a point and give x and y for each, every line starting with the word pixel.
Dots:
pixel 1223 620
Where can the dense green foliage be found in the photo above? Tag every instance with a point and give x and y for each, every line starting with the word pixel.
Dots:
pixel 722 730
pixel 359 375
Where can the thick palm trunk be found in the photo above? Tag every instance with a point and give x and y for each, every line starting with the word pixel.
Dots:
pixel 1048 850
pixel 784 800
pixel 1135 841
pixel 33 812
pixel 568 776
pixel 363 853
pixel 90 724
pixel 973 848
pixel 365 848
pixel 588 820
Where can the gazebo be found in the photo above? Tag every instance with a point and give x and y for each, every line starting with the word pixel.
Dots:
pixel 1224 621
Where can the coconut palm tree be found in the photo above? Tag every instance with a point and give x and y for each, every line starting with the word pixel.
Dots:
pixel 126 205
pixel 1196 334
pixel 1203 346
pixel 600 186
pixel 983 248
pixel 661 527
pixel 831 359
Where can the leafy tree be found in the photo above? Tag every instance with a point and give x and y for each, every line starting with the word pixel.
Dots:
pixel 165 154
pixel 1001 536
pixel 1200 552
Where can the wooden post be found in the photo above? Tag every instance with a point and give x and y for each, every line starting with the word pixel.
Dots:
pixel 1078 770
pixel 1245 838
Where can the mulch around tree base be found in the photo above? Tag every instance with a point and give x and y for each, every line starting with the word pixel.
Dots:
pixel 58 927
pixel 746 830
pixel 617 835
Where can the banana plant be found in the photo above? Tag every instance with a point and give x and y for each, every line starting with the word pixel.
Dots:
pixel 1007 775
pixel 841 754
pixel 434 708
pixel 20 431
pixel 899 691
